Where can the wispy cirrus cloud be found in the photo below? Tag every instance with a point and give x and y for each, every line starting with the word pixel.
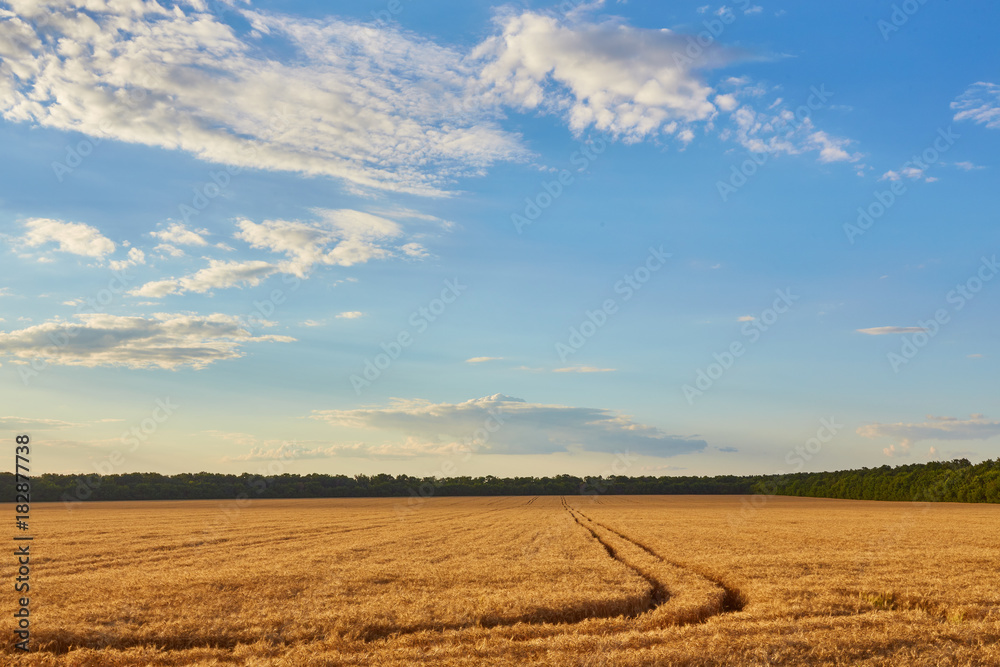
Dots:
pixel 290 451
pixel 284 450
pixel 583 369
pixel 965 165
pixel 885 331
pixel 27 424
pixel 980 103
pixel 776 130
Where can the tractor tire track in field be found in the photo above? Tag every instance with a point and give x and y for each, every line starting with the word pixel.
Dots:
pixel 677 595
pixel 733 600
pixel 658 594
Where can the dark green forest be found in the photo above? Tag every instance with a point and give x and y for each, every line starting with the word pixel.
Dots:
pixel 952 481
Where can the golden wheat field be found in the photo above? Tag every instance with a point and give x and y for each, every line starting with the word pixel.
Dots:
pixel 641 580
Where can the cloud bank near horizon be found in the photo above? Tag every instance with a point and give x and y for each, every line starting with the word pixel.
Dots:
pixel 501 424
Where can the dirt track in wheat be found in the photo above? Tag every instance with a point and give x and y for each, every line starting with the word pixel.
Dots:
pixel 640 580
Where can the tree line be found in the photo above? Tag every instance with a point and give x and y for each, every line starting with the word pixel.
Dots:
pixel 955 481
pixel 937 481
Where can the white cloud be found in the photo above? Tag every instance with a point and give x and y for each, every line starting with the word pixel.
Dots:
pixel 135 257
pixel 832 149
pixel 157 288
pixel 26 424
pixel 628 81
pixel 967 166
pixel 913 173
pixel 883 331
pixel 636 83
pixel 745 318
pixel 285 450
pixel 350 315
pixel 779 131
pixel 164 340
pixel 171 250
pixel 372 105
pixel 479 360
pixel 290 451
pixel 501 424
pixel 221 274
pixel 72 237
pixel 218 275
pixel 893 451
pixel 659 468
pixel 935 428
pixel 397 212
pixel 177 234
pixel 341 237
pixel 414 250
pixel 726 102
pixel 312 323
pixel 980 103
pixel 583 369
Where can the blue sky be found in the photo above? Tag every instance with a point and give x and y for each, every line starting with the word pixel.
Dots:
pixel 521 239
